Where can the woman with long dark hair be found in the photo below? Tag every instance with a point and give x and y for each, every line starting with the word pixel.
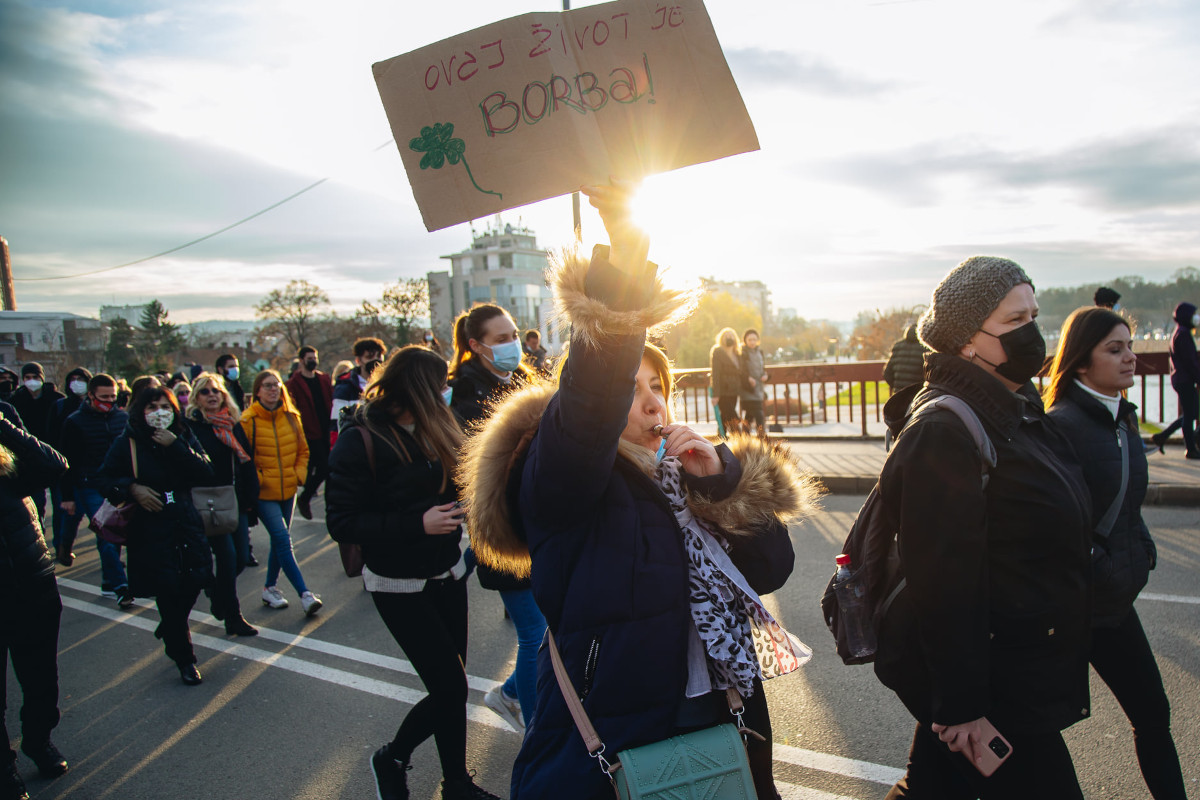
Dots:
pixel 272 424
pixel 647 546
pixel 1093 366
pixel 213 417
pixel 391 490
pixel 169 558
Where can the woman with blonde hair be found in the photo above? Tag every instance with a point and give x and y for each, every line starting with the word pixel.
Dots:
pixel 728 379
pixel 213 415
pixel 280 453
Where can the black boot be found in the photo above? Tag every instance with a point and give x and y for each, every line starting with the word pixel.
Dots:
pixel 11 785
pixel 465 789
pixel 190 675
pixel 50 762
pixel 236 625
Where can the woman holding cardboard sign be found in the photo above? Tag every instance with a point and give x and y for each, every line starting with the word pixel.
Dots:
pixel 648 547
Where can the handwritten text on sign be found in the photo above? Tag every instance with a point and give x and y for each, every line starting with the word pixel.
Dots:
pixel 545 102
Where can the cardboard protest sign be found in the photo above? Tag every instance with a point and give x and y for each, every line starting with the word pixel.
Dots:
pixel 537 105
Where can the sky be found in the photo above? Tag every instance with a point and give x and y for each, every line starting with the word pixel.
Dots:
pixel 897 138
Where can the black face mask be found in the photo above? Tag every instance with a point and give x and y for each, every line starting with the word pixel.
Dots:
pixel 1026 352
pixel 369 367
pixel 310 365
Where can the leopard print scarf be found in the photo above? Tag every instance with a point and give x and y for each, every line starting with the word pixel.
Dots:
pixel 741 639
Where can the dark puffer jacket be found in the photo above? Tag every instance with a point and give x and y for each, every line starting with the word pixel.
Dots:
pixel 995 620
pixel 27 465
pixel 35 411
pixel 906 365
pixel 383 509
pixel 168 552
pixel 1122 561
pixel 1185 363
pixel 87 435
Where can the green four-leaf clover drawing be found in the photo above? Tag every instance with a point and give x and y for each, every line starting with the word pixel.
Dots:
pixel 439 146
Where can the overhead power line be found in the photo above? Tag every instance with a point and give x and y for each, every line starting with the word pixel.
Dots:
pixel 204 238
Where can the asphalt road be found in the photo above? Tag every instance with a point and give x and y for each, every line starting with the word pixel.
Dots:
pixel 297 711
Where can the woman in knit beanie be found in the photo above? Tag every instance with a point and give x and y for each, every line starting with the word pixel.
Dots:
pixel 992 626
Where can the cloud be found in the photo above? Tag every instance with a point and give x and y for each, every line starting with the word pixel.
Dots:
pixel 759 68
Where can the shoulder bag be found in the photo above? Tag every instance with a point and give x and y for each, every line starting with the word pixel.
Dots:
pixel 218 505
pixel 111 522
pixel 709 763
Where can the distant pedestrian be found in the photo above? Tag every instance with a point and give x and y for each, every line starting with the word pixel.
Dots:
pixel 1185 374
pixel 65 525
pixel 535 354
pixel 183 393
pixel 33 609
pixel 432 342
pixel 34 401
pixel 228 368
pixel 280 453
pixel 754 390
pixel 312 393
pixel 725 364
pixel 1094 365
pixel 155 463
pixel 487 360
pixel 906 364
pixel 348 387
pixel 392 491
pixel 9 381
pixel 1107 298
pixel 339 369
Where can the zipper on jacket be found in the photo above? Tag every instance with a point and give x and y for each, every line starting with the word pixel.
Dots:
pixel 278 458
pixel 589 668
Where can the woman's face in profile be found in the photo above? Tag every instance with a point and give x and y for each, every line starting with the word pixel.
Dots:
pixel 1019 307
pixel 649 408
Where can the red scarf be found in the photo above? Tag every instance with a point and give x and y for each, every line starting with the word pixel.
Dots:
pixel 223 422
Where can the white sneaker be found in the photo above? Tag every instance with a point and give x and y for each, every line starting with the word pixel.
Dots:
pixel 274 598
pixel 509 708
pixel 312 604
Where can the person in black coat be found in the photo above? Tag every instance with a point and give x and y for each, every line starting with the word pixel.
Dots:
pixel 29 592
pixel 87 435
pixel 34 400
pixel 652 614
pixel 994 621
pixel 482 373
pixel 65 525
pixel 391 490
pixel 1095 363
pixel 213 417
pixel 1185 375
pixel 169 558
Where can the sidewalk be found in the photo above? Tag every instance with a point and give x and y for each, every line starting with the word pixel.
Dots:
pixel 846 463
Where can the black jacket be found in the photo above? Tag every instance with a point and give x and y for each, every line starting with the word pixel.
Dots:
pixel 1185 363
pixel 1122 561
pixel 59 412
pixel 476 393
pixel 995 620
pixel 383 510
pixel 167 550
pixel 26 465
pixel 87 435
pixel 906 364
pixel 227 470
pixel 35 411
pixel 238 393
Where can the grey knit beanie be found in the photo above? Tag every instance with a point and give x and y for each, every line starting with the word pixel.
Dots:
pixel 965 298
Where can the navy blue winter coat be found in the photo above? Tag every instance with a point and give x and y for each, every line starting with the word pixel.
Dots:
pixel 86 436
pixel 1185 364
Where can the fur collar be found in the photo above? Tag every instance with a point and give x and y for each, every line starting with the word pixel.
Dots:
pixel 772 486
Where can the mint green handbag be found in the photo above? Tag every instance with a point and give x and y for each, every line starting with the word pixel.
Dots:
pixel 708 764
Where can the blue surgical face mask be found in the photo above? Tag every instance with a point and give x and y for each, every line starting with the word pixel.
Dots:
pixel 448 394
pixel 232 373
pixel 506 357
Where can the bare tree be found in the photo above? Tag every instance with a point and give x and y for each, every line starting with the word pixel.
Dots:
pixel 292 311
pixel 406 302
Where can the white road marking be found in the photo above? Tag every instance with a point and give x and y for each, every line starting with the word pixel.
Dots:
pixel 809 759
pixel 1169 598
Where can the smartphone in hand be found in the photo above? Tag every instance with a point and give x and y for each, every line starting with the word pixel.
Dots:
pixel 996 749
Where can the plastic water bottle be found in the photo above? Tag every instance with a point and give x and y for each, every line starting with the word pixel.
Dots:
pixel 856 611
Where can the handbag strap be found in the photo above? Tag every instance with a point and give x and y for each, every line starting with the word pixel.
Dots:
pixel 1104 526
pixel 369 446
pixel 133 457
pixel 591 739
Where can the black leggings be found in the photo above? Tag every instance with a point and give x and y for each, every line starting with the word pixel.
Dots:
pixel 1039 768
pixel 1189 409
pixel 431 628
pixel 753 411
pixel 1123 660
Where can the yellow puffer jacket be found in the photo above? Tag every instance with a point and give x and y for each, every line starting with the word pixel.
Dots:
pixel 279 449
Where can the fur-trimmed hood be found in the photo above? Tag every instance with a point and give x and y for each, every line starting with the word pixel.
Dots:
pixel 772 484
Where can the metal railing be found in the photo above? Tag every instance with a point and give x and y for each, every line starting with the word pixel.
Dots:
pixel 813 393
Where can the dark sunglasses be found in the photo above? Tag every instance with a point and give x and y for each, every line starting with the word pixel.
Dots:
pixel 205 392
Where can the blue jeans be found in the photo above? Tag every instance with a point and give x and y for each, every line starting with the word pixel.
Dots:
pixel 112 571
pixel 531 628
pixel 276 516
pixel 229 558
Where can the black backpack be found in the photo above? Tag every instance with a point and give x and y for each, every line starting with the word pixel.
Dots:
pixel 871 545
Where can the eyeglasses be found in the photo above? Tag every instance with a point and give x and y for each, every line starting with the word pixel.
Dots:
pixel 272 386
pixel 205 392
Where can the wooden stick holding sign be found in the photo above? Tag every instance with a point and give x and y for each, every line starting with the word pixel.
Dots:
pixel 547 102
